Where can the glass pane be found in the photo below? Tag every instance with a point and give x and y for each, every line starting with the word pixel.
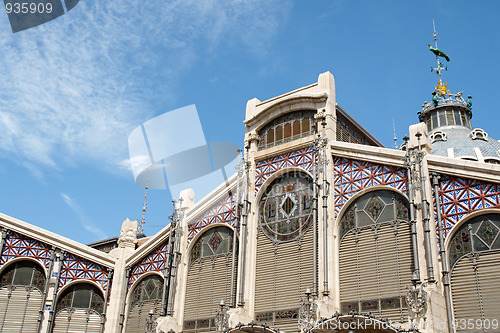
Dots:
pixel 296 127
pixel 306 126
pixel 428 124
pixel 23 274
pixel 270 136
pixel 434 120
pixel 442 118
pixel 279 133
pixel 288 130
pixel 449 117
pixel 458 121
pixel 464 119
pixel 81 297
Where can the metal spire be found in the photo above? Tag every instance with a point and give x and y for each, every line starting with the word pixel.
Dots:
pixel 142 221
pixel 395 137
pixel 440 88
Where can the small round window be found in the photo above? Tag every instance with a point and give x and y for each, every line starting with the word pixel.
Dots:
pixel 286 207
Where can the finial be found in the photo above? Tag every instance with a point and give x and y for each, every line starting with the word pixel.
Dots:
pixel 395 137
pixel 440 88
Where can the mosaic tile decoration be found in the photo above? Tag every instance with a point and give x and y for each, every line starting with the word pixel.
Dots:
pixel 155 261
pixel 224 211
pixel 352 176
pixel 461 196
pixel 76 268
pixel 302 158
pixel 17 245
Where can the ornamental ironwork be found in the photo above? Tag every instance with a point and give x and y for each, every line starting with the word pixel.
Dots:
pixel 477 235
pixel 286 207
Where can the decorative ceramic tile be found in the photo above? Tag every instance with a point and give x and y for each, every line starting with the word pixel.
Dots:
pixel 352 176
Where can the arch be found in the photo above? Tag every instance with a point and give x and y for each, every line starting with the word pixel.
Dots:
pixel 205 229
pixel 474 255
pixel 14 260
pixel 285 247
pixel 71 283
pixel 22 283
pixel 361 193
pixel 375 253
pixel 464 220
pixel 144 295
pixel 209 276
pixel 79 307
pixel 136 282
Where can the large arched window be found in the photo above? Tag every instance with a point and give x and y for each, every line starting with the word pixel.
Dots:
pixel 285 253
pixel 79 308
pixel 375 255
pixel 208 278
pixel 21 288
pixel 145 296
pixel 474 253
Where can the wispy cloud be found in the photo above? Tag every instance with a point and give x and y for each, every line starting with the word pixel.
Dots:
pixel 73 88
pixel 86 223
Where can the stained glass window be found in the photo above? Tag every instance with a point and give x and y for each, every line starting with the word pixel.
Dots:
pixel 23 273
pixel 484 229
pixel 214 242
pixel 286 207
pixel 81 296
pixel 149 288
pixel 375 207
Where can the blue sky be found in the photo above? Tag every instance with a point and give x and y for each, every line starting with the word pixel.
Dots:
pixel 74 88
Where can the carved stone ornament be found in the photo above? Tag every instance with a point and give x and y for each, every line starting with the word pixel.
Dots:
pixel 128 234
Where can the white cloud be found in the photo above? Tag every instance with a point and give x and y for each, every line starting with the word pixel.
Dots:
pixel 86 224
pixel 74 88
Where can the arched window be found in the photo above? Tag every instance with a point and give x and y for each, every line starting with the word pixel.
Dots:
pixel 285 253
pixel 208 278
pixel 474 253
pixel 145 296
pixel 21 287
pixel 286 128
pixel 79 308
pixel 375 255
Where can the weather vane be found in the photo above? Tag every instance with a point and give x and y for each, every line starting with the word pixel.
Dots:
pixel 441 88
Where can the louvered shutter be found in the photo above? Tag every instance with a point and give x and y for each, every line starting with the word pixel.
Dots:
pixel 208 282
pixel 137 316
pixel 376 271
pixel 476 298
pixel 281 280
pixel 77 321
pixel 19 311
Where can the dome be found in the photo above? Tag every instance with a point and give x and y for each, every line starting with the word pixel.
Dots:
pixel 462 142
pixel 448 119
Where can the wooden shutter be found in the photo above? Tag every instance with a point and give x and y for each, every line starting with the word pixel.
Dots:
pixel 19 309
pixel 476 291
